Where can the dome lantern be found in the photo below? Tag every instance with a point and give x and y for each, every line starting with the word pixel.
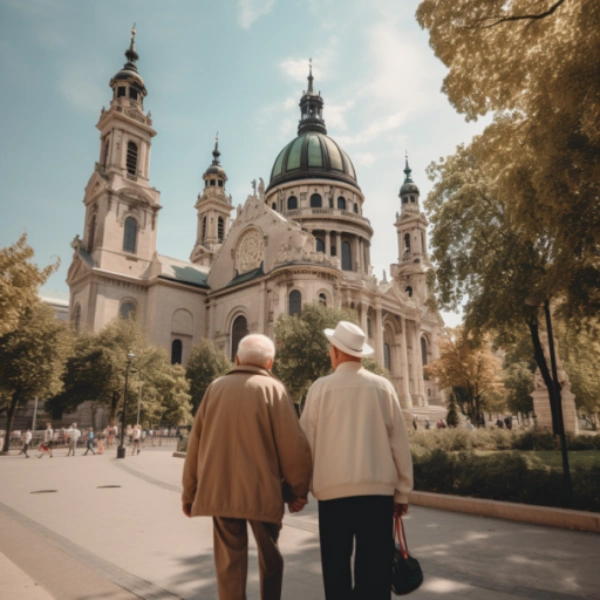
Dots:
pixel 128 76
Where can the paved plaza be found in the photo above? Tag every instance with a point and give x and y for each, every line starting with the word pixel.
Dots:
pixel 93 528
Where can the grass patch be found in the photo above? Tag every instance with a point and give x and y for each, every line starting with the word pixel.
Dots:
pixel 550 458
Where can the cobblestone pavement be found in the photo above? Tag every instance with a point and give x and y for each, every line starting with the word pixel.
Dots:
pixel 91 527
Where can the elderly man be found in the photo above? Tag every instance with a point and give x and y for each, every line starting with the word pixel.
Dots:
pixel 246 441
pixel 73 436
pixel 362 468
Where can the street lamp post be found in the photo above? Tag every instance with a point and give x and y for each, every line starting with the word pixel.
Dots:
pixel 121 448
pixel 556 399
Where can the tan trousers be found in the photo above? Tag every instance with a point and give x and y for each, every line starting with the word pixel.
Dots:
pixel 230 538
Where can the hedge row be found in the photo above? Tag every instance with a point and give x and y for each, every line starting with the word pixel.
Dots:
pixel 456 440
pixel 504 476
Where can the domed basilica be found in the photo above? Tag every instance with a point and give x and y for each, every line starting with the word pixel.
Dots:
pixel 300 239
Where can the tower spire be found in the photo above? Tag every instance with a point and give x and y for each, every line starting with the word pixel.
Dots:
pixel 216 154
pixel 311 89
pixel 311 108
pixel 407 170
pixel 131 55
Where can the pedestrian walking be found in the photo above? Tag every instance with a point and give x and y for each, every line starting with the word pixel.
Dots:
pixel 245 441
pixel 26 437
pixel 362 471
pixel 136 439
pixel 90 442
pixel 73 435
pixel 111 437
pixel 47 441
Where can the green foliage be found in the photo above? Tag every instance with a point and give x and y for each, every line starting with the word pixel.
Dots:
pixel 506 476
pixel 452 417
pixel 32 358
pixel 302 348
pixel 19 282
pixel 96 371
pixel 206 364
pixel 518 381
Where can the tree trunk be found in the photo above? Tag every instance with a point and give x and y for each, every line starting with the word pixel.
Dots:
pixel 540 360
pixel 10 415
pixel 112 415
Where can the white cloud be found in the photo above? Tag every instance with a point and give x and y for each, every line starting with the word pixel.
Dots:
pixel 334 115
pixel 251 10
pixel 81 86
pixel 364 159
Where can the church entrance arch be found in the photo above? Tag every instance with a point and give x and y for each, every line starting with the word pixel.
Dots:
pixel 239 329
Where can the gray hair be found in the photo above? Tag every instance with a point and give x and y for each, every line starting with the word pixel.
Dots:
pixel 255 349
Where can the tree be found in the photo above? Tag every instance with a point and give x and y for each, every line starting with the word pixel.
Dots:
pixel 206 364
pixel 32 358
pixel 468 369
pixel 96 371
pixel 303 350
pixel 518 381
pixel 530 64
pixel 452 415
pixel 19 282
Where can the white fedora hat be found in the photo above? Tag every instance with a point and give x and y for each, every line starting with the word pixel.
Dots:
pixel 349 338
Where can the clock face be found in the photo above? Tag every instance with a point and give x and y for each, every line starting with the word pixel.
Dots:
pixel 250 251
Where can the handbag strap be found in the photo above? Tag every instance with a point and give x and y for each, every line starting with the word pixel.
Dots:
pixel 401 535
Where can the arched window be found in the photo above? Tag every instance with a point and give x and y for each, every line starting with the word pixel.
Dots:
pixel 405 200
pixel 369 328
pixel 92 233
pixel 322 299
pixel 295 303
pixel 221 229
pixel 320 245
pixel 239 329
pixel 356 208
pixel 412 199
pixel 176 352
pixel 316 201
pixel 292 203
pixel 341 203
pixel 132 157
pixel 409 291
pixel 77 318
pixel 130 235
pixel 387 363
pixel 127 310
pixel 424 354
pixel 346 256
pixel 274 206
pixel 407 243
pixel 105 154
pixel 203 228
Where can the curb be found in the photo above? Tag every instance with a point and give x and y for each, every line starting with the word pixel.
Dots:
pixel 563 518
pixel 526 513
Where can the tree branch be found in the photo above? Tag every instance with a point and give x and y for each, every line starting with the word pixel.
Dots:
pixel 530 17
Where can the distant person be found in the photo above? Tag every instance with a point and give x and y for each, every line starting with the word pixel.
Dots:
pixel 246 441
pixel 47 441
pixel 415 424
pixel 136 439
pixel 73 435
pixel 469 424
pixel 427 424
pixel 362 468
pixel 90 442
pixel 26 437
pixel 508 422
pixel 499 423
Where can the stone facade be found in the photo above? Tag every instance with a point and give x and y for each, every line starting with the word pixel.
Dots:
pixel 304 239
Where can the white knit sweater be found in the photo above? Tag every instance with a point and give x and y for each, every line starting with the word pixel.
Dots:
pixel 356 431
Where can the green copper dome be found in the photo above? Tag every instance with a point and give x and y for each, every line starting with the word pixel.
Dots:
pixel 312 154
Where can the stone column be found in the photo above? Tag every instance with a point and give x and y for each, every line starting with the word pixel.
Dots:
pixel 378 333
pixel 416 371
pixel 406 399
pixel 262 308
pixel 327 242
pixel 420 374
pixel 356 255
pixel 363 318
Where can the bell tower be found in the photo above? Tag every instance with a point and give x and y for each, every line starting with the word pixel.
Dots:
pixel 121 206
pixel 411 226
pixel 214 208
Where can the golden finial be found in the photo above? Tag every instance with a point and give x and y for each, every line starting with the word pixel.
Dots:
pixel 217 137
pixel 133 32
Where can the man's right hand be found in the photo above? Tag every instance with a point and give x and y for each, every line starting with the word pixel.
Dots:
pixel 297 505
pixel 400 509
pixel 187 509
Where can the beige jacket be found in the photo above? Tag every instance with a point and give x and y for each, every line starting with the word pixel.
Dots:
pixel 354 424
pixel 246 438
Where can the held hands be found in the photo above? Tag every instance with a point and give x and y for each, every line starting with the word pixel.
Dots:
pixel 400 509
pixel 297 504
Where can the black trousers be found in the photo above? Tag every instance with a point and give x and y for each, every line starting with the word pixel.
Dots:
pixel 367 521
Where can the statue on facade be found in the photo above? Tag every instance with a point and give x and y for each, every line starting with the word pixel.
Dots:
pixel 261 189
pixel 254 187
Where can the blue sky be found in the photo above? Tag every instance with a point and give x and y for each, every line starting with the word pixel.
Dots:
pixel 234 66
